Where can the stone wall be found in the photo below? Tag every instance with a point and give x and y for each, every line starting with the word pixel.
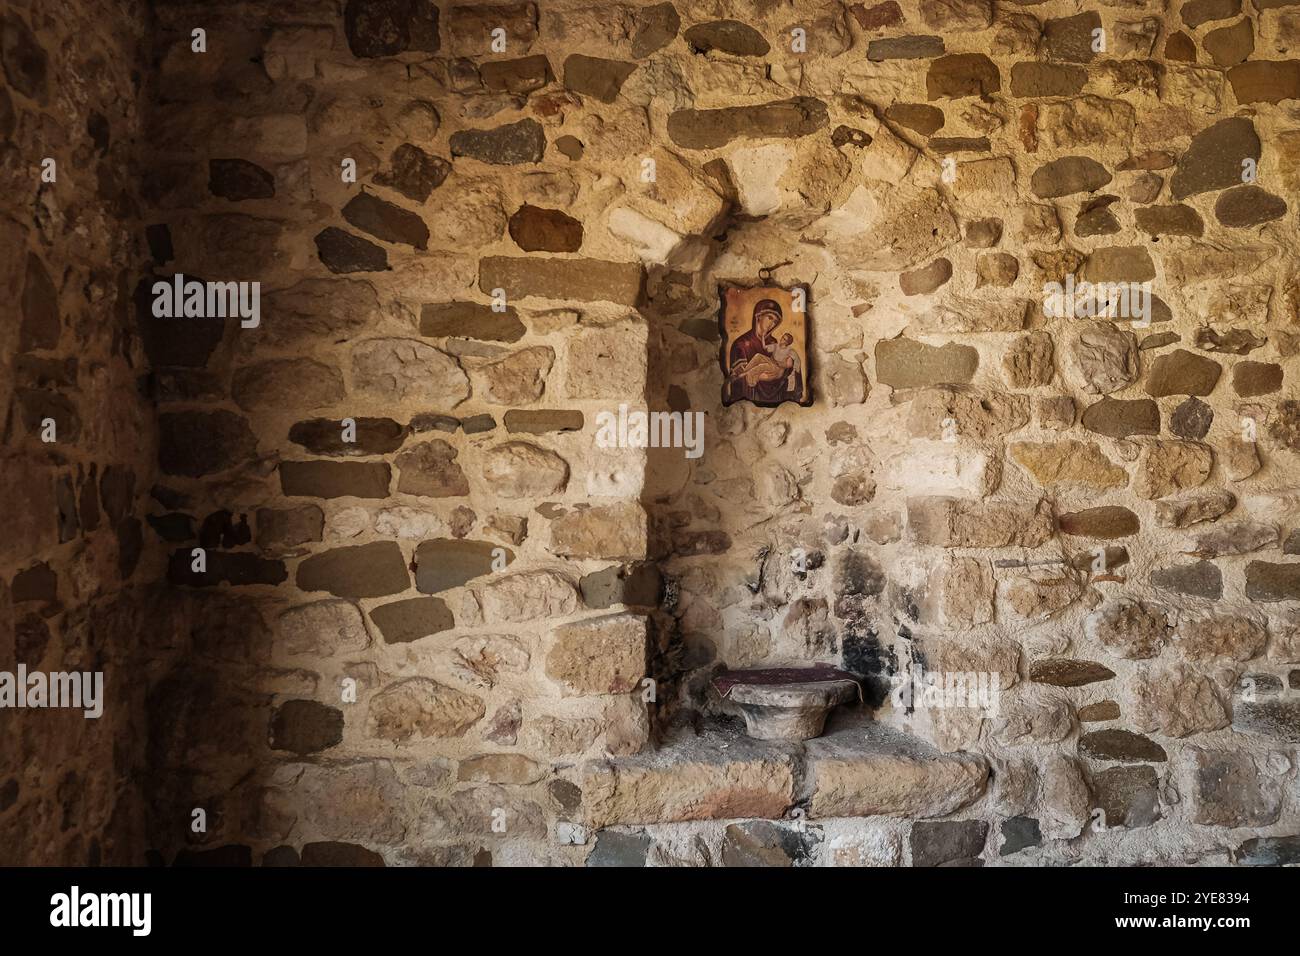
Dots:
pixel 78 441
pixel 1098 513
pixel 419 612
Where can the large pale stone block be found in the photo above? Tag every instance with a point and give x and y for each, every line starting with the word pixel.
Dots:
pixel 870 769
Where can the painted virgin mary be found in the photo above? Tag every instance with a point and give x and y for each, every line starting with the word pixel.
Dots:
pixel 755 372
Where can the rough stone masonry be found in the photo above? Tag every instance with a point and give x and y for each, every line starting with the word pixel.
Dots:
pixel 367 591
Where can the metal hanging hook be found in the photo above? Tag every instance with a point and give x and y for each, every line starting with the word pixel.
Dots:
pixel 765 272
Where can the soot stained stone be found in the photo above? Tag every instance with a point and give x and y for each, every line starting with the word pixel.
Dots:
pixel 1173 220
pixel 514 143
pixel 596 77
pixel 404 621
pixel 324 436
pixel 905 48
pixel 919 117
pixel 1265 81
pixel 174 527
pixel 1105 522
pixel 220 530
pixel 962 74
pixel 386 221
pixel 764 843
pixel 1201 579
pixel 195 444
pixel 413 172
pixel 446 563
pixel 940 842
pixel 342 252
pixel 306 726
pixel 535 229
pixel 1256 378
pixel 230 567
pixel 26 64
pixel 1123 745
pixel 159 238
pixel 619 849
pixel 1231 342
pixel 657 26
pixel 1244 206
pixel 187 342
pixel 636 585
pixel 1268 581
pixel 1120 418
pixel 470 320
pixel 282 528
pixel 238 179
pixel 1071 38
pixel 1191 419
pixel 1129 796
pixel 1046 79
pixel 1064 672
pixel 37 583
pixel 1181 372
pixel 728 36
pixel 361 571
pixel 1213 160
pixel 378 28
pixel 335 479
pixel 516 76
pixel 1019 833
pixel 40 308
pixel 1068 175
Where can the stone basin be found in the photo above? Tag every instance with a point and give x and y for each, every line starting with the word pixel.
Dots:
pixel 787 703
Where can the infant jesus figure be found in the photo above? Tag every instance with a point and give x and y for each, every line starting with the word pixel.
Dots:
pixel 787 358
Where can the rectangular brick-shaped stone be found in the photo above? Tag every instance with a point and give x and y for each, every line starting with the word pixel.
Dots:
pixel 1268 581
pixel 905 48
pixel 335 479
pixel 229 567
pixel 572 280
pixel 904 363
pixel 711 129
pixel 618 532
pixel 601 655
pixel 1278 719
pixel 691 779
pixel 366 570
pixel 868 769
pixel 522 421
pixel 959 523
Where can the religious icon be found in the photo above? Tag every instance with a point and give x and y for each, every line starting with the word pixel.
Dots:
pixel 764 353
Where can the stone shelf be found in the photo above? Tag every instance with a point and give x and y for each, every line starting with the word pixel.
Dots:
pixel 862 768
pixel 859 768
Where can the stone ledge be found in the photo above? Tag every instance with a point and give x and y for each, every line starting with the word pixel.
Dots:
pixel 718 775
pixel 860 768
